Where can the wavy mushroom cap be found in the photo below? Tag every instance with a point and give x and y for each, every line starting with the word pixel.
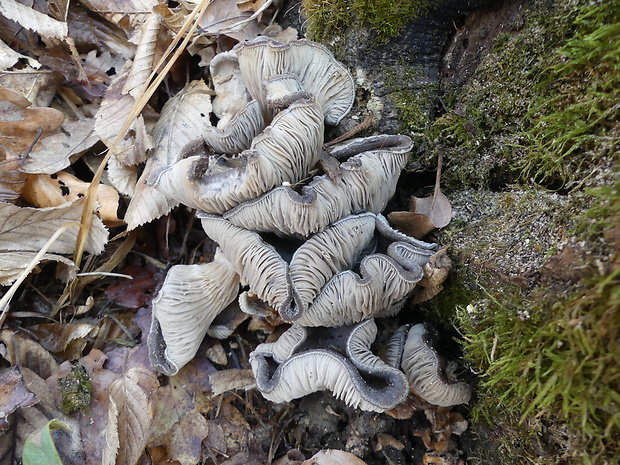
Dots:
pixel 368 181
pixel 306 360
pixel 423 368
pixel 189 300
pixel 290 284
pixel 283 152
pixel 317 69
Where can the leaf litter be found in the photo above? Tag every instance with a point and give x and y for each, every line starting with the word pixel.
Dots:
pixel 118 78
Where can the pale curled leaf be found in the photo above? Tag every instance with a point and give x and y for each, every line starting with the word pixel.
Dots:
pixel 12 264
pixel 231 379
pixel 28 229
pixel 143 60
pixel 136 143
pixel 131 408
pixel 55 152
pixel 183 119
pixel 128 14
pixel 40 447
pixel 8 57
pixel 437 207
pixel 33 20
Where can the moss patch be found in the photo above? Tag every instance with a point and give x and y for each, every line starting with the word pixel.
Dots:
pixel 385 17
pixel 542 106
pixel 76 390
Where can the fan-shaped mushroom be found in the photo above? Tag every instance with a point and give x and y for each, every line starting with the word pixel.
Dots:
pixel 368 181
pixel 425 371
pixel 306 360
pixel 284 152
pixel 320 74
pixel 317 285
pixel 189 300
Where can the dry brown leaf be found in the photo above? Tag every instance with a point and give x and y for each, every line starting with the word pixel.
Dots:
pixel 12 264
pixel 183 119
pixel 143 61
pixel 333 457
pixel 33 20
pixel 12 180
pixel 67 340
pixel 135 146
pixel 28 229
pixel 437 207
pixel 233 378
pixel 13 395
pixel 21 125
pixel 435 273
pixel 128 14
pixel 122 178
pixel 130 416
pixel 53 190
pixel 413 224
pixel 226 17
pixel 39 86
pixel 180 405
pixel 22 351
pixel 57 151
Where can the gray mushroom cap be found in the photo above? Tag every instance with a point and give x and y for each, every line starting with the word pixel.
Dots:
pixel 320 74
pixel 284 152
pixel 240 118
pixel 306 360
pixel 368 181
pixel 317 285
pixel 424 369
pixel 190 299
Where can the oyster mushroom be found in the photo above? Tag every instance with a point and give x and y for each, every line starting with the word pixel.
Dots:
pixel 425 369
pixel 188 302
pixel 315 284
pixel 240 117
pixel 317 69
pixel 306 360
pixel 284 152
pixel 369 175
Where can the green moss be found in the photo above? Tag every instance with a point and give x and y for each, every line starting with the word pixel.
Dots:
pixel 576 122
pixel 411 95
pixel 385 17
pixel 76 390
pixel 542 105
pixel 550 360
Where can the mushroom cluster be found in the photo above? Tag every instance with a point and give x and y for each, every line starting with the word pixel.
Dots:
pixel 313 247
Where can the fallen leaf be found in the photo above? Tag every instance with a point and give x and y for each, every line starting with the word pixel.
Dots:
pixel 136 144
pixel 23 351
pixel 12 180
pixel 53 190
pixel 8 58
pixel 128 14
pixel 67 340
pixel 55 152
pixel 21 125
pixel 39 86
pixel 136 292
pixel 12 264
pixel 435 273
pixel 233 378
pixel 413 224
pixel 130 416
pixel 28 229
pixel 33 20
pixel 183 119
pixel 180 406
pixel 40 448
pixel 333 457
pixel 143 60
pixel 13 395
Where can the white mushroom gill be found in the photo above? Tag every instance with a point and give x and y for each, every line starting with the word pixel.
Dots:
pixel 306 364
pixel 189 300
pixel 422 366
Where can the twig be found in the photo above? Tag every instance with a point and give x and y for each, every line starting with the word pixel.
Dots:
pixel 360 127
